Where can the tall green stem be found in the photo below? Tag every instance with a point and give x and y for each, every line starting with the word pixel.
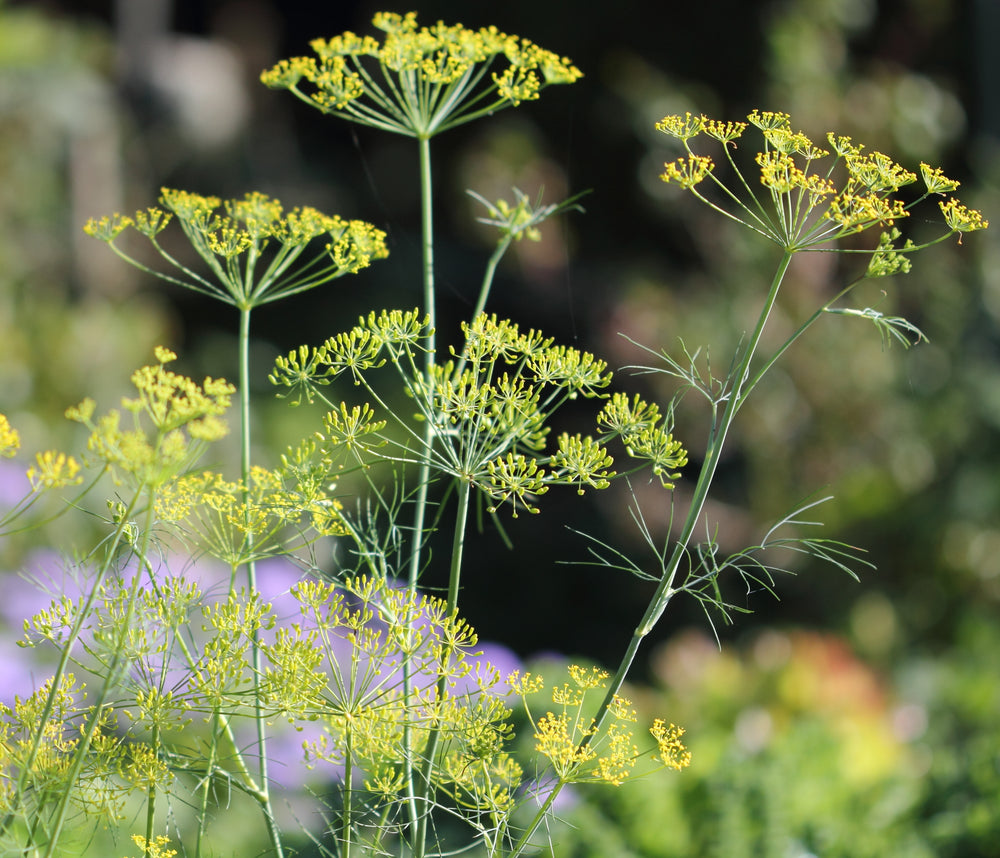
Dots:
pixel 423 479
pixel 259 717
pixel 457 549
pixel 484 292
pixel 427 243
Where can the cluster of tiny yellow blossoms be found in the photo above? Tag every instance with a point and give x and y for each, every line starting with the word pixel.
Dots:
pixel 232 237
pixel 493 426
pixel 248 224
pixel 42 734
pixel 51 470
pixel 54 470
pixel 427 73
pixel 10 439
pixel 809 208
pixel 572 744
pixel 232 518
pixel 155 848
pixel 179 411
pixel 671 751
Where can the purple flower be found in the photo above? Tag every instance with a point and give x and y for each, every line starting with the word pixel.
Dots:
pixel 14 485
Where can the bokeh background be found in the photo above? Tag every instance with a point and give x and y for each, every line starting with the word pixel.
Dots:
pixel 845 718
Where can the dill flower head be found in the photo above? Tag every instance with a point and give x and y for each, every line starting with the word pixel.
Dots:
pixel 810 195
pixel 172 417
pixel 581 749
pixel 54 470
pixel 419 81
pixel 249 245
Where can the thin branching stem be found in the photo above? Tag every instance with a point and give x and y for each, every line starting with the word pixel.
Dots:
pixel 665 588
pixel 260 717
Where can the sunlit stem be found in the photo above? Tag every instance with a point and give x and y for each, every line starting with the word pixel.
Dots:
pixel 457 549
pixel 427 241
pixel 491 268
pixel 424 471
pixel 206 787
pixel 251 570
pixel 345 821
pixel 458 543
pixel 808 323
pixel 540 816
pixel 665 590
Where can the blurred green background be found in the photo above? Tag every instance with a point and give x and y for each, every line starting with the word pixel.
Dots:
pixel 847 718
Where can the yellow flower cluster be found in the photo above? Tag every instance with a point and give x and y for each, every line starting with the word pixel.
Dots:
pixel 429 75
pixel 40 747
pixel 53 470
pixel 155 848
pixel 233 241
pixel 682 127
pixel 572 744
pixel 671 750
pixel 181 413
pixel 171 401
pixel 237 522
pixel 809 208
pixel 855 212
pixel 10 439
pixel 687 172
pixel 248 222
pixel 960 218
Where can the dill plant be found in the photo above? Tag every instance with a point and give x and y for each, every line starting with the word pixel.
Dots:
pixel 416 730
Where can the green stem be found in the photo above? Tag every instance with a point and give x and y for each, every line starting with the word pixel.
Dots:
pixel 427 242
pixel 484 291
pixel 665 590
pixel 255 654
pixel 417 537
pixel 154 741
pixel 458 543
pixel 457 547
pixel 345 822
pixel 808 323
pixel 491 267
pixel 206 787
